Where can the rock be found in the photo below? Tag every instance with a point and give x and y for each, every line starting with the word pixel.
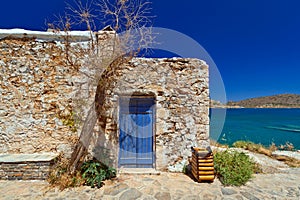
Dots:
pixel 148 198
pixel 249 196
pixel 208 196
pixel 192 197
pixel 227 191
pixel 293 154
pixel 23 69
pixel 163 196
pixel 228 198
pixel 148 179
pixel 238 197
pixel 178 167
pixel 265 151
pixel 293 192
pixel 131 194
pixel 113 191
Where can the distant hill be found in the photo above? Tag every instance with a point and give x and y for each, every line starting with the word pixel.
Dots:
pixel 276 101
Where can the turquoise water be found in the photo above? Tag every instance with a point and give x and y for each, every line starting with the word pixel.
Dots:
pixel 258 125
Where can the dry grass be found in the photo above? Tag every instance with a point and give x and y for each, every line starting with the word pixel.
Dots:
pixel 292 162
pixel 216 144
pixel 61 178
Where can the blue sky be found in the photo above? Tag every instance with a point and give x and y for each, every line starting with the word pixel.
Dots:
pixel 254 43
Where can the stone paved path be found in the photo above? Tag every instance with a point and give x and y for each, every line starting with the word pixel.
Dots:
pixel 162 187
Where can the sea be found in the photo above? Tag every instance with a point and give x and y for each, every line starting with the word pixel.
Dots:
pixel 259 125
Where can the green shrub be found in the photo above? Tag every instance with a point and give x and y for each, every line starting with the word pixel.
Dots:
pixel 94 173
pixel 233 168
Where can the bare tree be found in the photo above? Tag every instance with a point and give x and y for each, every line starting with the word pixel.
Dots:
pixel 128 19
pixel 83 14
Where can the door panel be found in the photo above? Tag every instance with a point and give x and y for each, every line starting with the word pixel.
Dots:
pixel 136 132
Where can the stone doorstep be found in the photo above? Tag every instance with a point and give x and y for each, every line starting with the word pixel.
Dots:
pixel 138 171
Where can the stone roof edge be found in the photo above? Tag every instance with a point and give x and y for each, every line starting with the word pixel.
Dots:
pixel 50 35
pixel 173 59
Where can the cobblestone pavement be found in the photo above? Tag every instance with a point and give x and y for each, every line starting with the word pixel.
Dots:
pixel 162 187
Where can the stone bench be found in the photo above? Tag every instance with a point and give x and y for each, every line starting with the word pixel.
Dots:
pixel 26 166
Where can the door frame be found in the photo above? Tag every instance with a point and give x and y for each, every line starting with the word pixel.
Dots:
pixel 141 96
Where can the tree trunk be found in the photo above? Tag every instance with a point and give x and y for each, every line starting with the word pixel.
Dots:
pixel 81 148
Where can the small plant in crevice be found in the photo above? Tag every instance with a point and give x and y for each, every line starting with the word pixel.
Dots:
pixel 69 119
pixel 234 168
pixel 95 172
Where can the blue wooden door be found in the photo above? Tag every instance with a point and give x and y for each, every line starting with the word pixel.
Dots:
pixel 136 132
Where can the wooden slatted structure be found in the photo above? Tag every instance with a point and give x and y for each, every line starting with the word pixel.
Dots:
pixel 202 164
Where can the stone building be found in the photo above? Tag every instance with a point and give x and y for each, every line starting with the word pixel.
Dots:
pixel 152 110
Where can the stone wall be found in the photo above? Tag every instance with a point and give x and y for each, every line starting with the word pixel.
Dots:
pixel 25 171
pixel 45 91
pixel 26 167
pixel 38 88
pixel 36 91
pixel 180 87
